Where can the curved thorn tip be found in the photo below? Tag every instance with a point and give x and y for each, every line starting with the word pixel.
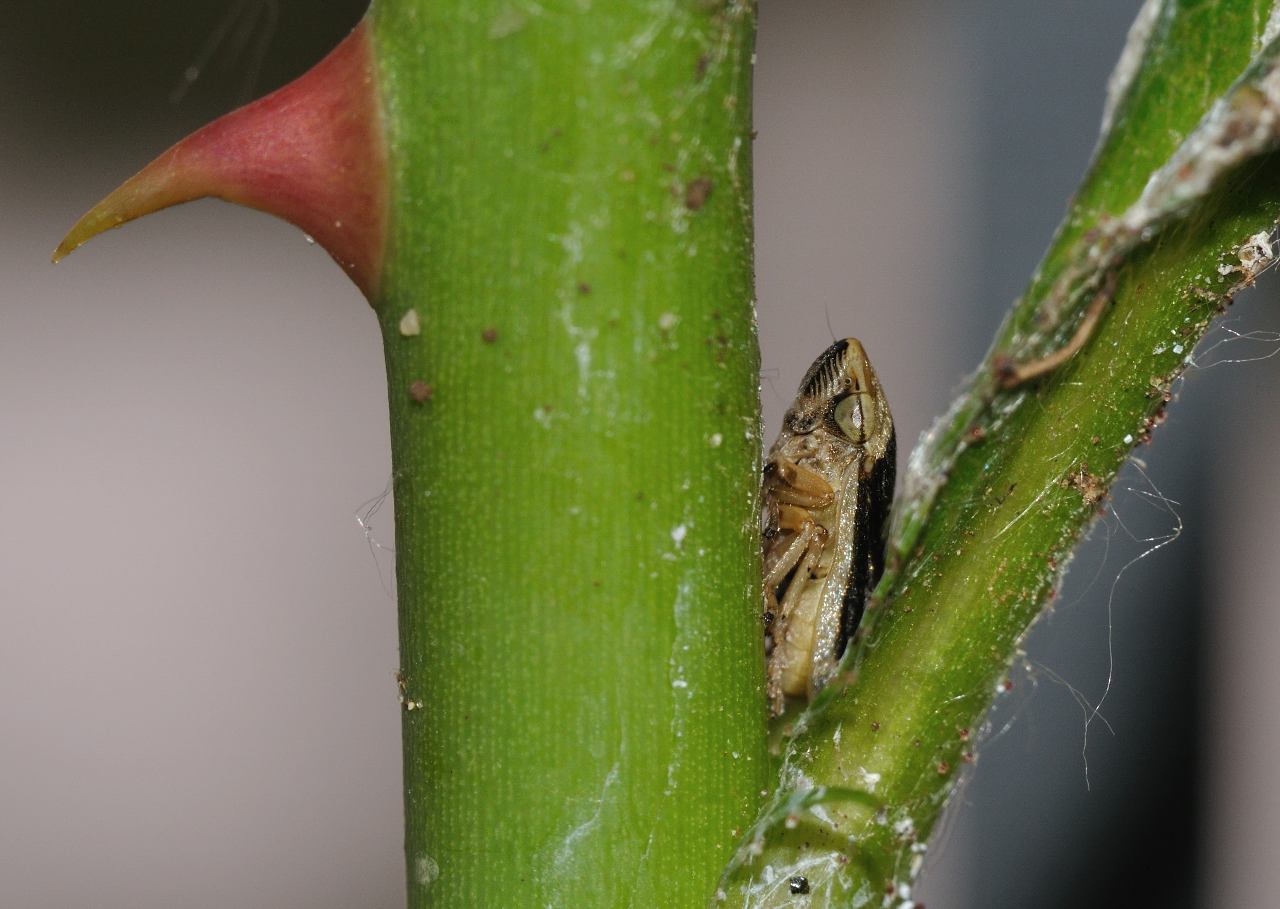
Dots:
pixel 313 153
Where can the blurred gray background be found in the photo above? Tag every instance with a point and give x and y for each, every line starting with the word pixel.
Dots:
pixel 197 643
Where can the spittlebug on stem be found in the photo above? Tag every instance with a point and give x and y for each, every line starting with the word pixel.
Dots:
pixel 827 488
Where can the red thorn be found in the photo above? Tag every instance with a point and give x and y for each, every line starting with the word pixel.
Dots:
pixel 313 153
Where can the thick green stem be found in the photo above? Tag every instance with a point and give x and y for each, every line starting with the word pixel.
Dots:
pixel 567 313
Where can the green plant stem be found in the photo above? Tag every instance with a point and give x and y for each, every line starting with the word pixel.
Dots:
pixel 1001 493
pixel 574 429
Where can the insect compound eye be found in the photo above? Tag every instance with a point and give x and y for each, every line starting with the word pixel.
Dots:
pixel 848 417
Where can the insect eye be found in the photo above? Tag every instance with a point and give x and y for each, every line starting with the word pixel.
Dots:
pixel 849 418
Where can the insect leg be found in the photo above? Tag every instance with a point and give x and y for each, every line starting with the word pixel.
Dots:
pixel 792 484
pixel 791 660
pixel 791 520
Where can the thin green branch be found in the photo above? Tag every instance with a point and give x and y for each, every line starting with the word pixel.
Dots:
pixel 1174 216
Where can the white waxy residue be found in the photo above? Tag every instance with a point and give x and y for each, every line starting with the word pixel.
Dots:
pixel 1272 29
pixel 869 780
pixel 425 870
pixel 1135 46
pixel 410 325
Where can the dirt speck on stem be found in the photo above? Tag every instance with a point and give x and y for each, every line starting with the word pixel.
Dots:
pixel 696 193
pixel 1091 488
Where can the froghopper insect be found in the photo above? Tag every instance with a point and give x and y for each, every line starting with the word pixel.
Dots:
pixel 826 492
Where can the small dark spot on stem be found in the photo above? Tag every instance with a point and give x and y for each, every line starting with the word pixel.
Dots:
pixel 546 143
pixel 584 288
pixel 489 335
pixel 696 193
pixel 700 69
pixel 1005 369
pixel 420 391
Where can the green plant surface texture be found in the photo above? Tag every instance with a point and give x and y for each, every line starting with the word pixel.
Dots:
pixel 1175 214
pixel 572 366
